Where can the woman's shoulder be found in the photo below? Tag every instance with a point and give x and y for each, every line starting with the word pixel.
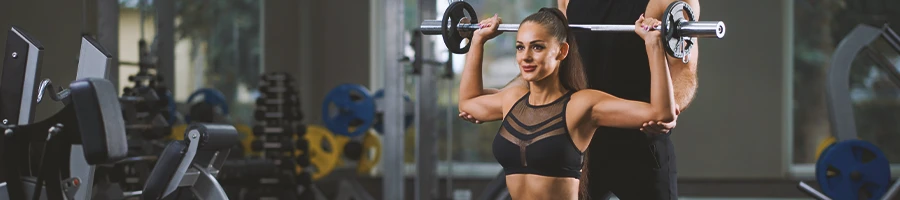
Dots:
pixel 514 92
pixel 587 96
pixel 587 93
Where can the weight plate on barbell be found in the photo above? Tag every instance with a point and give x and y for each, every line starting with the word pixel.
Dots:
pixel 853 169
pixel 676 45
pixel 348 110
pixel 452 37
pixel 408 109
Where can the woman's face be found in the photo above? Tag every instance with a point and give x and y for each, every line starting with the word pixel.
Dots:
pixel 537 52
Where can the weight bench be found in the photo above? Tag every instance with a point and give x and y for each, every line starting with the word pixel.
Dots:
pixel 91 117
pixel 193 162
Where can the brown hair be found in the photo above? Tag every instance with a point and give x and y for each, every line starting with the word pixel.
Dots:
pixel 571 71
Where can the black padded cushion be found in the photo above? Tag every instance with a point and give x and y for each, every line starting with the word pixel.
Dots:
pixel 164 170
pixel 99 119
pixel 214 136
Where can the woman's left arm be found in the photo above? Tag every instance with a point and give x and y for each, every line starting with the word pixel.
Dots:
pixel 608 110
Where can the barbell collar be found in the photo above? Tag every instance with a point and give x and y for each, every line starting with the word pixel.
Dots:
pixel 703 29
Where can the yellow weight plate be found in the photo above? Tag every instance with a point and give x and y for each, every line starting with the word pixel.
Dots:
pixel 324 152
pixel 371 154
pixel 824 144
pixel 245 135
pixel 178 132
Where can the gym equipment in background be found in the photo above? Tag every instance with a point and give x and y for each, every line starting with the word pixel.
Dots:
pixel 349 110
pixel 276 167
pixel 205 111
pixel 409 109
pixel 192 163
pixel 91 117
pixel 74 159
pixel 848 167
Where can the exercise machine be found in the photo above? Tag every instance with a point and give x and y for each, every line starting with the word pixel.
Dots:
pixel 192 163
pixel 22 67
pixel 91 117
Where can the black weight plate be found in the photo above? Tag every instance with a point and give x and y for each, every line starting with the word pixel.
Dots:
pixel 452 38
pixel 353 150
pixel 672 18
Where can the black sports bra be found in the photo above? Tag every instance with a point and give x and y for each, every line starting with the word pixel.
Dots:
pixel 535 140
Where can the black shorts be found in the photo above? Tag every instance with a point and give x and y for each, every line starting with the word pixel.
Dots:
pixel 631 166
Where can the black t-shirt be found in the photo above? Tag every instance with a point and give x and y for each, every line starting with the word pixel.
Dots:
pixel 614 62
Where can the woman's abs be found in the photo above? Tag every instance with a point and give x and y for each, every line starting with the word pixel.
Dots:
pixel 530 186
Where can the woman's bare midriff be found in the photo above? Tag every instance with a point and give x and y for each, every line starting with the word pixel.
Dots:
pixel 537 187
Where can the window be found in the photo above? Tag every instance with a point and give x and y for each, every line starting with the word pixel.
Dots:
pixel 876 97
pixel 819 26
pixel 217 45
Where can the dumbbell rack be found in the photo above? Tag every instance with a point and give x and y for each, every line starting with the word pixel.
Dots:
pixel 278 118
pixel 148 111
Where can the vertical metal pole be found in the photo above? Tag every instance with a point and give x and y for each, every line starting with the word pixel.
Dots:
pixel 165 40
pixel 426 158
pixel 108 36
pixel 449 148
pixel 390 32
pixel 142 6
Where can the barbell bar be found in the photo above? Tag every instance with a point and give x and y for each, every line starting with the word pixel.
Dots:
pixel 679 28
pixel 699 29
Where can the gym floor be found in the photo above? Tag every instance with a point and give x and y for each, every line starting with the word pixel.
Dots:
pixel 759 123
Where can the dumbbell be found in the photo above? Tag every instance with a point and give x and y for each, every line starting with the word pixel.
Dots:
pixel 277 76
pixel 679 26
pixel 302 144
pixel 262 115
pixel 288 100
pixel 259 145
pixel 303 160
pixel 276 89
pixel 259 130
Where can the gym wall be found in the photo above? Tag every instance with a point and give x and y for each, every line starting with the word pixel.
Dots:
pixel 736 126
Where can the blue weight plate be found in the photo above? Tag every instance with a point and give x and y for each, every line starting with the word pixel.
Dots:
pixel 853 169
pixel 342 113
pixel 171 107
pixel 408 117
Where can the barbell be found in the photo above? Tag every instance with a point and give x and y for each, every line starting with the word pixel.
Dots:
pixel 679 27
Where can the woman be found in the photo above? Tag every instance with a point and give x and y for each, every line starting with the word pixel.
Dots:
pixel 548 123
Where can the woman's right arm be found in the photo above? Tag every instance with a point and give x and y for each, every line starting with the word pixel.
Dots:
pixel 472 96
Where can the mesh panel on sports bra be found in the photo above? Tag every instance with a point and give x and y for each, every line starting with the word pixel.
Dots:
pixel 526 125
